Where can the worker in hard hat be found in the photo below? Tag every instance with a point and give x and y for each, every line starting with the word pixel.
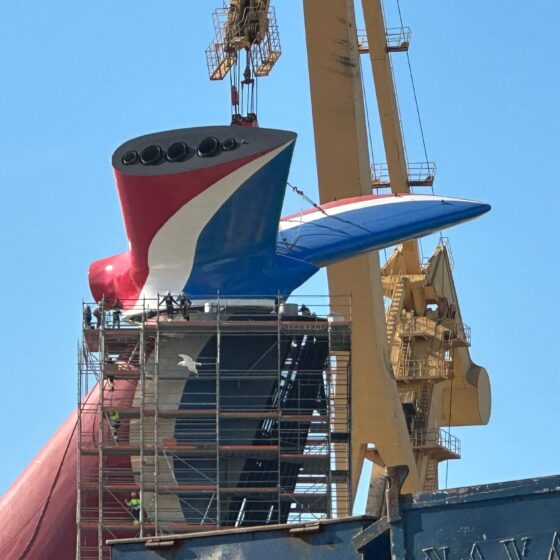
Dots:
pixel 135 506
pixel 115 424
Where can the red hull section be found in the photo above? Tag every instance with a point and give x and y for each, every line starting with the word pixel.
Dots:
pixel 38 513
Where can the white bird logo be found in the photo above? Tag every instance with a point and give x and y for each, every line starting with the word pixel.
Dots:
pixel 189 363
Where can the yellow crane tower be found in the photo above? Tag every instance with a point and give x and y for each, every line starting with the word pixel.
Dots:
pixel 412 374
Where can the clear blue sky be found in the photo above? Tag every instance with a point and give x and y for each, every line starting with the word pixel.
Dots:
pixel 79 78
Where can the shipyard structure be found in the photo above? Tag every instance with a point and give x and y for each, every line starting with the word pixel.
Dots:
pixel 212 397
pixel 234 410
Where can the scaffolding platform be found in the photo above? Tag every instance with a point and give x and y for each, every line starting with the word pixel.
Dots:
pixel 253 428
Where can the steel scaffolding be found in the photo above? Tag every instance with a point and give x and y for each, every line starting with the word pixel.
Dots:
pixel 252 428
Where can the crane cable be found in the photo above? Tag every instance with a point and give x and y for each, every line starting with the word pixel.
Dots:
pixel 246 90
pixel 290 246
pixel 320 209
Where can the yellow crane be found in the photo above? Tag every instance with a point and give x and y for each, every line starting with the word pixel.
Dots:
pixel 412 373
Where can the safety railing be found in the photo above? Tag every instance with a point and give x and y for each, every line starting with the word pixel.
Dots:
pixel 397 40
pixel 437 438
pixel 457 334
pixel 443 244
pixel 421 174
pixel 452 331
pixel 267 52
pixel 435 369
pixel 220 58
pixel 129 314
pixel 230 37
pixel 416 327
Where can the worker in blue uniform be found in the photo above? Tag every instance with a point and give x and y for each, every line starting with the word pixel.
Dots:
pixel 115 424
pixel 169 301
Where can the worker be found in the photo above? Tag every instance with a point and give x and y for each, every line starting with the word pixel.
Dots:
pixel 110 378
pixel 111 383
pixel 169 301
pixel 135 506
pixel 117 311
pixel 86 313
pixel 99 314
pixel 305 311
pixel 115 424
pixel 185 306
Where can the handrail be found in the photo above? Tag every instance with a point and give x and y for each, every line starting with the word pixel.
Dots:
pixel 437 438
pixel 133 312
pixel 397 38
pixel 419 174
pixel 422 369
pixel 418 326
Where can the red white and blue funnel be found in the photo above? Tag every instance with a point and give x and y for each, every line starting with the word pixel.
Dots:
pixel 202 214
